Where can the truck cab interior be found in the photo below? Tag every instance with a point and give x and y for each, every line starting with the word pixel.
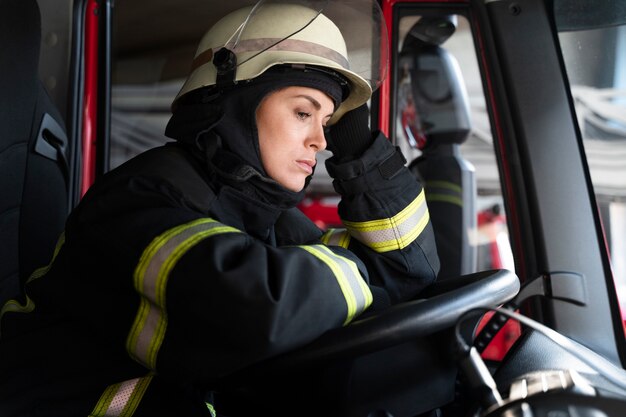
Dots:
pixel 511 113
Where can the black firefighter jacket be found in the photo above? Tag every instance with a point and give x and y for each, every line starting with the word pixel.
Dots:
pixel 159 286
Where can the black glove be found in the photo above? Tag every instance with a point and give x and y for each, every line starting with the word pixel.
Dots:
pixel 351 135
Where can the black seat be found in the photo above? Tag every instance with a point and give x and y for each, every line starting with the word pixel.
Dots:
pixel 435 118
pixel 33 153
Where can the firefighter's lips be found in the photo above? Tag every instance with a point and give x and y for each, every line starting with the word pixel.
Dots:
pixel 306 165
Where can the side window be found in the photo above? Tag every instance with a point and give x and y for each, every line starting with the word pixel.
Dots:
pixel 595 60
pixel 442 125
pixel 148 70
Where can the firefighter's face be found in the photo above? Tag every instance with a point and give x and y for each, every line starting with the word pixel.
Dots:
pixel 290 124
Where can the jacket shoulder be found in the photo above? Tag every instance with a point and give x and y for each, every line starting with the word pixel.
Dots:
pixel 169 170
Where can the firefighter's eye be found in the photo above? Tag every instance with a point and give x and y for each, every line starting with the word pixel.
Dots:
pixel 302 115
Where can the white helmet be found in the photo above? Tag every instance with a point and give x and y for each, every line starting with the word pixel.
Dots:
pixel 301 33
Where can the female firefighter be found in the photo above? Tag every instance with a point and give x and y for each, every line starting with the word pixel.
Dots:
pixel 191 261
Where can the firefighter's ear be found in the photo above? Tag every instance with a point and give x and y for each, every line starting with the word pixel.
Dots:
pixel 190 121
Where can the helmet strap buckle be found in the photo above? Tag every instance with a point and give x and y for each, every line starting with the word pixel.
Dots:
pixel 226 63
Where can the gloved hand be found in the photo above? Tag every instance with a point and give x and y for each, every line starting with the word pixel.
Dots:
pixel 351 135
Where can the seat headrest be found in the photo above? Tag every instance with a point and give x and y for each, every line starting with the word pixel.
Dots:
pixel 20 38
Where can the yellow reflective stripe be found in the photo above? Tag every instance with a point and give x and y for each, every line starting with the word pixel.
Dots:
pixel 38 273
pixel 444 192
pixel 393 233
pixel 325 239
pixel 336 237
pixel 14 306
pixel 122 399
pixel 211 409
pixel 150 280
pixel 356 278
pixel 345 239
pixel 444 184
pixel 444 198
pixel 356 293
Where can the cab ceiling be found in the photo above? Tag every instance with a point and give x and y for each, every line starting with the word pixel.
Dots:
pixel 160 34
pixel 165 33
pixel 140 27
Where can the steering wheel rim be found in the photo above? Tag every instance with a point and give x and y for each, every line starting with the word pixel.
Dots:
pixel 403 322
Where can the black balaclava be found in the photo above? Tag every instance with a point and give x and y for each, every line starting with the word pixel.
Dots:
pixel 225 125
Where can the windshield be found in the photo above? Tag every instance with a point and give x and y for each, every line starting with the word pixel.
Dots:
pixel 593 42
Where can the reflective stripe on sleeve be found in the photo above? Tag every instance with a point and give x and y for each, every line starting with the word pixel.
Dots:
pixel 355 291
pixel 14 306
pixel 150 280
pixel 393 233
pixel 336 237
pixel 211 409
pixel 121 400
pixel 39 272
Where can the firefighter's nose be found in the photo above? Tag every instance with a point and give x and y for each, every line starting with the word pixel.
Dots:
pixel 318 139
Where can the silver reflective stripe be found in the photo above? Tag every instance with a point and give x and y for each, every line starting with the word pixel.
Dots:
pixel 336 237
pixel 121 400
pixel 150 280
pixel 355 291
pixel 393 233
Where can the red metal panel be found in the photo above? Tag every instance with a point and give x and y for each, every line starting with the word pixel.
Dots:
pixel 90 96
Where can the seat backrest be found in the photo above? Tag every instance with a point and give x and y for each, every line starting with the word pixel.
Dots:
pixel 33 152
pixel 435 118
